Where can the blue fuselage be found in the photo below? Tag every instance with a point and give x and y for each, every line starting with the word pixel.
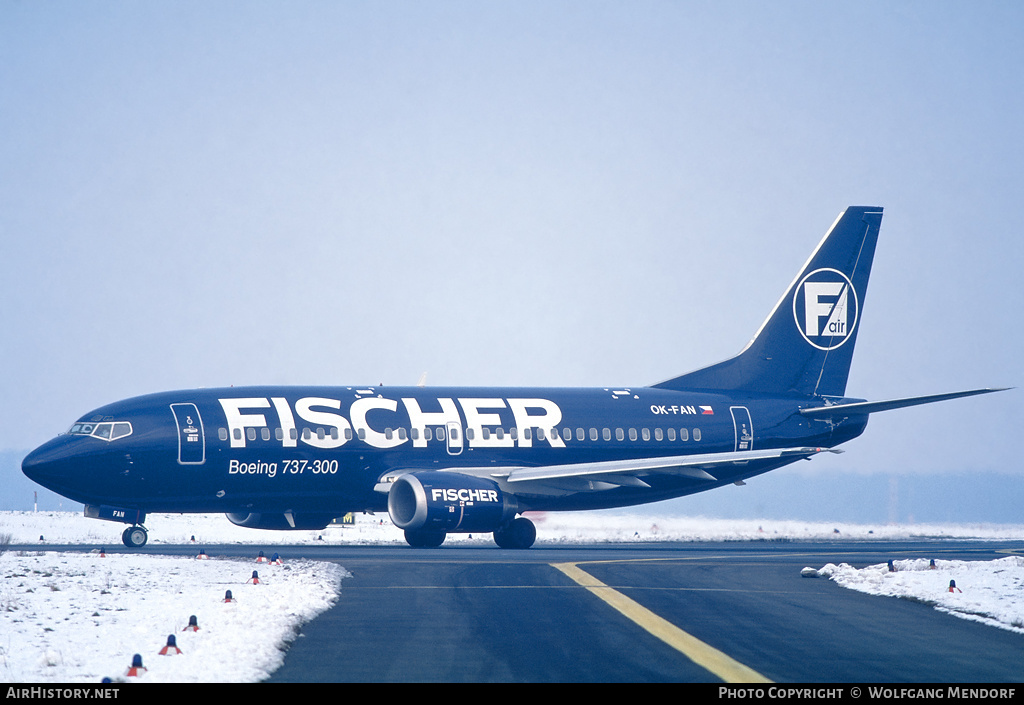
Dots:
pixel 324 449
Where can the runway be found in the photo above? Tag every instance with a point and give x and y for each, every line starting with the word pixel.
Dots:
pixel 687 612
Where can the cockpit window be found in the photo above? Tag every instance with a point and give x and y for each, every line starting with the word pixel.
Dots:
pixel 107 430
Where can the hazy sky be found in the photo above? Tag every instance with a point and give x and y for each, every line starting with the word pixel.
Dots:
pixel 552 193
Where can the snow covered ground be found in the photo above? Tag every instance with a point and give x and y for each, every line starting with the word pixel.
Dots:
pixel 988 591
pixel 555 527
pixel 80 617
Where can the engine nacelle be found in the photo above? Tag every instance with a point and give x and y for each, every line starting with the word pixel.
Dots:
pixel 448 501
pixel 280 522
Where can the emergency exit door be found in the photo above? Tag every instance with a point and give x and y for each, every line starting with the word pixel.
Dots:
pixel 191 439
pixel 744 429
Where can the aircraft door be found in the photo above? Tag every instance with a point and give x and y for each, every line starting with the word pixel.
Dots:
pixel 454 438
pixel 744 429
pixel 191 438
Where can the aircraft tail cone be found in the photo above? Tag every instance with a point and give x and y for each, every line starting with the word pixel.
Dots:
pixel 171 649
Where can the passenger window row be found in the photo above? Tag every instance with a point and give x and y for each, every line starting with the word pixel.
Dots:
pixel 439 433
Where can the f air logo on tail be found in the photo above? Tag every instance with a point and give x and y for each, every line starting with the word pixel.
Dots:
pixel 825 308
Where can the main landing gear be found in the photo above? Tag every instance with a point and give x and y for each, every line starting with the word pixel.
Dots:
pixel 135 536
pixel 518 533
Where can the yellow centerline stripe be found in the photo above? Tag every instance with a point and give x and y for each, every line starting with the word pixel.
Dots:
pixel 708 657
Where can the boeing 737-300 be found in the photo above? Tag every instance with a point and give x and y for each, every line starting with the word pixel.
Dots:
pixel 444 460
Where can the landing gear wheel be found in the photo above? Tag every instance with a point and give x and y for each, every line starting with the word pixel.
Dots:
pixel 425 539
pixel 135 536
pixel 520 533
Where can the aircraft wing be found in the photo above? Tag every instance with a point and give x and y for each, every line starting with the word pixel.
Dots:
pixel 699 467
pixel 627 472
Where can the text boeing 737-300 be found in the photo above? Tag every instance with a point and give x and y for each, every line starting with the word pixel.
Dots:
pixel 445 460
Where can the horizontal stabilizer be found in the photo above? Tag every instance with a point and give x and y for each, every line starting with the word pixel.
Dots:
pixel 870 407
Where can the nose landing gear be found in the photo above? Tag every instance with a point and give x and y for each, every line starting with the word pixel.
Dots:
pixel 135 536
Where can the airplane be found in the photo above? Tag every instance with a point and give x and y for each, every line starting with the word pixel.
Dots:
pixel 473 460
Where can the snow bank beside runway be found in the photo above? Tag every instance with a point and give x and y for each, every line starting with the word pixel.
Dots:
pixel 81 617
pixel 552 528
pixel 987 591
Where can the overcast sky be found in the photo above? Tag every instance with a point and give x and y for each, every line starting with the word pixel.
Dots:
pixel 525 193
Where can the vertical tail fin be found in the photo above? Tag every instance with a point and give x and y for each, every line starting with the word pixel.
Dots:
pixel 806 344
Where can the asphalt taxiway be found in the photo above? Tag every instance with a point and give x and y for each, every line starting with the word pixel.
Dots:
pixel 686 612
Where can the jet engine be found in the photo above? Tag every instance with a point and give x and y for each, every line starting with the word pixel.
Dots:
pixel 438 502
pixel 286 521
